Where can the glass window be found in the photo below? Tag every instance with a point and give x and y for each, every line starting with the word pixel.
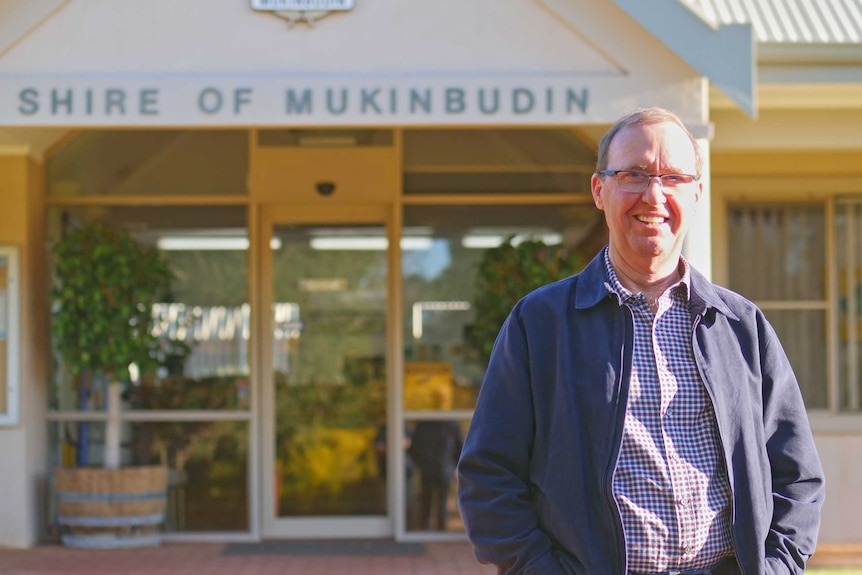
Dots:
pixel 451 265
pixel 803 336
pixel 332 138
pixel 208 471
pixel 71 444
pixel 432 452
pixel 207 466
pixel 442 250
pixel 777 252
pixel 496 162
pixel 848 270
pixel 777 255
pixel 203 323
pixel 498 182
pixel 329 369
pixel 150 163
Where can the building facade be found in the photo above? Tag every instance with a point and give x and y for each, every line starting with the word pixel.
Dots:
pixel 326 179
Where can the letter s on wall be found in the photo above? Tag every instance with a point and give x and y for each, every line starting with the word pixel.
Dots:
pixel 29 103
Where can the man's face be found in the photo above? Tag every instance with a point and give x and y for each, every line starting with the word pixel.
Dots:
pixel 647 228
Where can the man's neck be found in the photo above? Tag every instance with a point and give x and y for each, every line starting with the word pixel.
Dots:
pixel 651 281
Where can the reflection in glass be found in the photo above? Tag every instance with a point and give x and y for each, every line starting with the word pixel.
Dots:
pixel 496 161
pixel 802 334
pixel 434 448
pixel 847 266
pixel 207 463
pixel 502 182
pixel 786 269
pixel 788 262
pixel 329 359
pixel 150 163
pixel 204 322
pixel 208 471
pixel 71 443
pixel 440 279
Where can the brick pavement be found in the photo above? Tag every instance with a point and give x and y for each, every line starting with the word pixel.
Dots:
pixel 207 559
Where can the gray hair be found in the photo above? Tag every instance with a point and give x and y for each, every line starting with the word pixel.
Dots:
pixel 644 117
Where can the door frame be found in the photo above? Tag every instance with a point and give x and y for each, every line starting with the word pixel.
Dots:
pixel 313 527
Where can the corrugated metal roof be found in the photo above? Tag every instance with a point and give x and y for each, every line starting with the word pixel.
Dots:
pixel 788 21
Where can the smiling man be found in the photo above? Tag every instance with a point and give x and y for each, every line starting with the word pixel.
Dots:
pixel 648 198
pixel 636 418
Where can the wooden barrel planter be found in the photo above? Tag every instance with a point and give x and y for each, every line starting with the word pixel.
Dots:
pixel 111 508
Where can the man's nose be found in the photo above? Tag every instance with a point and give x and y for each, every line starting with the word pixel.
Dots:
pixel 654 193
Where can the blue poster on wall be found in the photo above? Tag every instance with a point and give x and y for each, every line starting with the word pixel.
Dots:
pixel 9 336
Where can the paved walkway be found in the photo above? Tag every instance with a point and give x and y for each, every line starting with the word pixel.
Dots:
pixel 207 559
pixel 838 556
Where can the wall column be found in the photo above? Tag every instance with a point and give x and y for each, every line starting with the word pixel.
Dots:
pixel 23 448
pixel 697 248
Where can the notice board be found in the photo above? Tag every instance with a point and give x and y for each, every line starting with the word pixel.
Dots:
pixel 9 336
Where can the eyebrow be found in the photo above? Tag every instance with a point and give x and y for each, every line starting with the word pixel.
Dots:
pixel 643 168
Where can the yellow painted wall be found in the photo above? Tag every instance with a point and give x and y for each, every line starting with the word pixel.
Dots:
pixel 21 500
pixel 13 199
pixel 784 163
pixel 359 175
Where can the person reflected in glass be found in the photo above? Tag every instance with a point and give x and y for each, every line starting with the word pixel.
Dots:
pixel 409 468
pixel 636 418
pixel 435 448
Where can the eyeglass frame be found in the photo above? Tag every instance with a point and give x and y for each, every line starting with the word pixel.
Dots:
pixel 665 189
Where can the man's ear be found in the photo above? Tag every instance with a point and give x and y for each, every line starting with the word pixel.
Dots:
pixel 596 185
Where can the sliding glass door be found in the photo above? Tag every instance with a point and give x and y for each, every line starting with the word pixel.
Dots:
pixel 324 274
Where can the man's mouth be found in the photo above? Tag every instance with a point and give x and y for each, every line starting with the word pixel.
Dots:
pixel 651 219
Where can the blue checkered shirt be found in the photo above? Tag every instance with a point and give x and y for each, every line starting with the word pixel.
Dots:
pixel 670 482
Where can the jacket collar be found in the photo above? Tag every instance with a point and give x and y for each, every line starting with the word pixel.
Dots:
pixel 705 296
pixel 594 286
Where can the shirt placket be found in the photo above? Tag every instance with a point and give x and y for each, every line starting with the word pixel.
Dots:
pixel 682 546
pixel 671 421
pixel 649 411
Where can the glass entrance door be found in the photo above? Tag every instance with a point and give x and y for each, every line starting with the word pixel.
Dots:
pixel 324 408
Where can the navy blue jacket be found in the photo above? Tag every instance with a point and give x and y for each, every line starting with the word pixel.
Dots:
pixel 534 478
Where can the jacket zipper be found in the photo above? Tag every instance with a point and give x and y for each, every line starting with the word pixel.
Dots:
pixel 609 473
pixel 695 348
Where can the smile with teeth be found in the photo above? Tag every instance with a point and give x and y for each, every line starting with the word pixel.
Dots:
pixel 651 219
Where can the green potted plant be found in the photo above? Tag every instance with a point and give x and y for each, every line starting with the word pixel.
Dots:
pixel 105 286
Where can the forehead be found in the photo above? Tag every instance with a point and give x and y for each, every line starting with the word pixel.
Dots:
pixel 665 143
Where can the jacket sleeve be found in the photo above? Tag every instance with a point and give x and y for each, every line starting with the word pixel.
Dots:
pixel 798 487
pixel 494 489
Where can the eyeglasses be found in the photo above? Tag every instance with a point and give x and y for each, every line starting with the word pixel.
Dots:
pixel 635 182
